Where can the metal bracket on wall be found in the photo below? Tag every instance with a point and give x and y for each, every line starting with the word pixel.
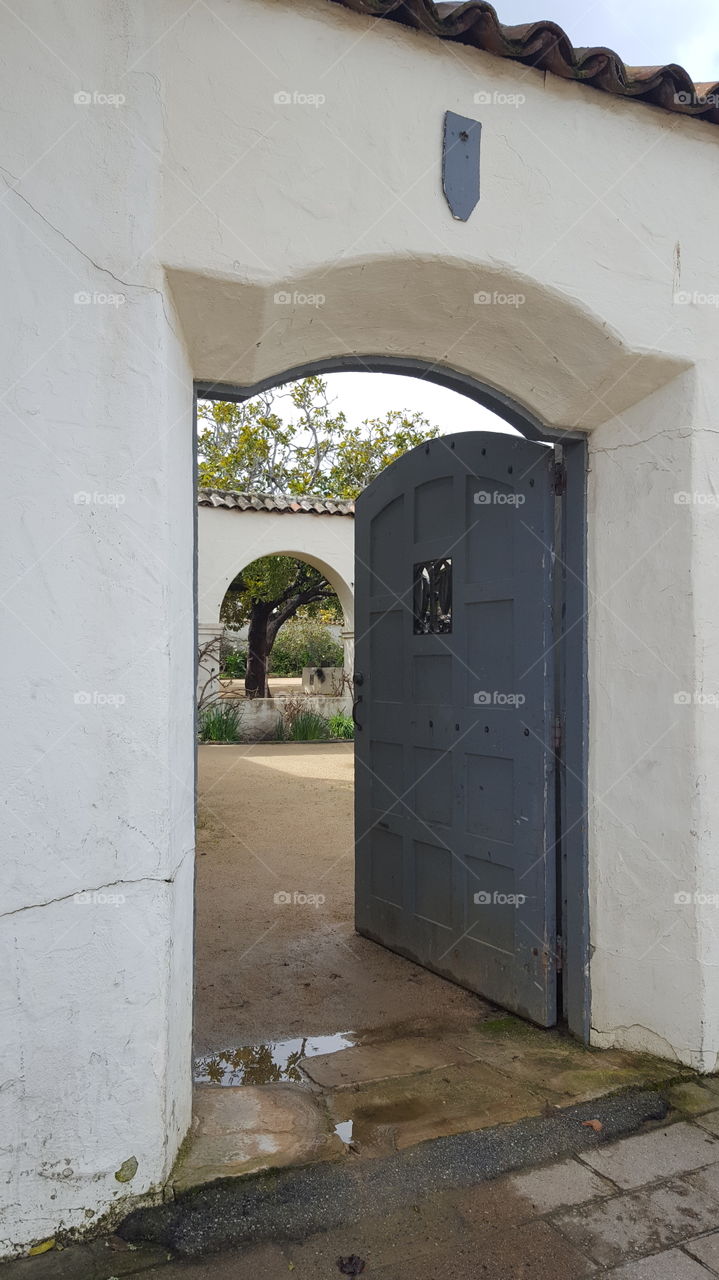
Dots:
pixel 460 163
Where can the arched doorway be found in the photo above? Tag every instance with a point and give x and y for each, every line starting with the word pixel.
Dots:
pixel 273 1053
pixel 234 529
pixel 568 952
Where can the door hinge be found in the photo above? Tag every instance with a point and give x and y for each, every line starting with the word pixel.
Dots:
pixel 559 954
pixel 559 479
pixel 557 732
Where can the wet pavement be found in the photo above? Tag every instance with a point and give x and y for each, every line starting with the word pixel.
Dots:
pixel 266 1063
pixel 642 1207
pixel 394 1145
pixel 359 1096
pixel 276 954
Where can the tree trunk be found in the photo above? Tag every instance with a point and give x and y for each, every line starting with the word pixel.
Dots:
pixel 257 652
pixel 273 626
pixel 262 634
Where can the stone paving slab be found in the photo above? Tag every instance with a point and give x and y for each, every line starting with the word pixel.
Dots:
pixel 534 1251
pixel 705 1180
pixel 558 1186
pixel 380 1061
pixel 706 1249
pixel 672 1265
pixel 639 1222
pixel 557 1067
pixel 428 1239
pixel 259 1262
pixel 400 1235
pixel 647 1157
pixel 239 1129
pixel 710 1122
pixel 96 1260
pixel 693 1097
pixel 389 1115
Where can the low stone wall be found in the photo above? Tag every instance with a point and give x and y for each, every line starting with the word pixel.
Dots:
pixel 259 716
pixel 329 681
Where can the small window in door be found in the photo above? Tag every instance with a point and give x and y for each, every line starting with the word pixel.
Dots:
pixel 433 597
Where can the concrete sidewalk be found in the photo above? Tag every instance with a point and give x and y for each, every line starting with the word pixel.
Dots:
pixel 645 1207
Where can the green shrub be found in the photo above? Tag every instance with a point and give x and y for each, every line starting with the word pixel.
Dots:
pixel 304 642
pixel 220 723
pixel 235 664
pixel 308 726
pixel 341 726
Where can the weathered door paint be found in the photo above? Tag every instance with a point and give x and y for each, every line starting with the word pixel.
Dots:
pixel 455 825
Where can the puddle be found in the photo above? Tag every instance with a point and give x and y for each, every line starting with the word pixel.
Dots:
pixel 344 1131
pixel 267 1063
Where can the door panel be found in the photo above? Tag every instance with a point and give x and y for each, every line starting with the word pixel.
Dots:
pixel 455 837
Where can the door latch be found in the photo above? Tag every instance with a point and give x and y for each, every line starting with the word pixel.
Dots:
pixel 358 680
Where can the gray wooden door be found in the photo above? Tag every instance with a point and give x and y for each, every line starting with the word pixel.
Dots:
pixel 454 689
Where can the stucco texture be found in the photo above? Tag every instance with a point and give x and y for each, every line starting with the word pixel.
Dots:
pixel 153 240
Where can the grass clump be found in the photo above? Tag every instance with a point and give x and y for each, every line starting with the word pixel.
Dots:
pixel 220 723
pixel 307 726
pixel 341 726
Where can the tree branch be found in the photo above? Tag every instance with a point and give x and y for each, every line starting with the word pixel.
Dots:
pixel 305 597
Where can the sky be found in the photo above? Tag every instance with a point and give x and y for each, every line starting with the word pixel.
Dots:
pixel 370 395
pixel 643 33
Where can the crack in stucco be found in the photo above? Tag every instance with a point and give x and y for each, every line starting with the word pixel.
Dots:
pixel 632 444
pixel 671 1054
pixel 112 884
pixel 127 284
pixel 669 435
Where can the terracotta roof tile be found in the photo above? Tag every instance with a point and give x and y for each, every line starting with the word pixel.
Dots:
pixel 275 502
pixel 546 46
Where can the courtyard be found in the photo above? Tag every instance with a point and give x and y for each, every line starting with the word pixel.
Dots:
pixel 275 827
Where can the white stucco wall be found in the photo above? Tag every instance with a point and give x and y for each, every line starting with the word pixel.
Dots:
pixel 199 199
pixel 98 649
pixel 228 540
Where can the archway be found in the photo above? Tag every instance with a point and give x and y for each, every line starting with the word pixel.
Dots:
pixel 570 654
pixel 271 1051
pixel 273 607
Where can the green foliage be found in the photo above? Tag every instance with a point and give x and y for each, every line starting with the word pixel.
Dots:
pixel 362 452
pixel 304 642
pixel 220 723
pixel 341 726
pixel 289 440
pixel 308 726
pixel 328 611
pixel 234 664
pixel 279 581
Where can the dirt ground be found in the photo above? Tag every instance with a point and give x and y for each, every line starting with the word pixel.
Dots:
pixel 276 819
pixel 278 685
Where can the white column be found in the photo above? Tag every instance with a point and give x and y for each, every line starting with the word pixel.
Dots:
pixel 348 641
pixel 654 726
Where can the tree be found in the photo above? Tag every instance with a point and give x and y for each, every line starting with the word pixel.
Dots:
pixel 255 447
pixel 266 594
pixel 250 447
